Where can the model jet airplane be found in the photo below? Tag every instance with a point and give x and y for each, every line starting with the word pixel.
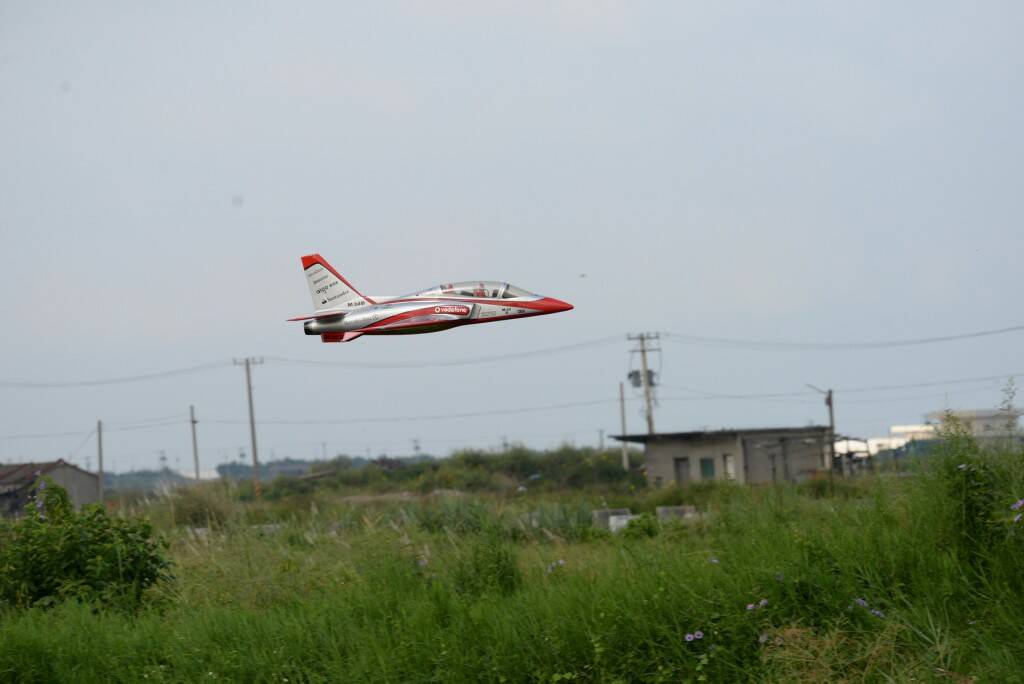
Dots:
pixel 343 314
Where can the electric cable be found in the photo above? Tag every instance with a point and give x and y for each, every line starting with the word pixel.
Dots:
pixel 115 381
pixel 464 361
pixel 735 343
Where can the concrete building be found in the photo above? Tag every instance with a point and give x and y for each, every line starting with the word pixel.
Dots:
pixel 983 422
pixel 16 482
pixel 745 456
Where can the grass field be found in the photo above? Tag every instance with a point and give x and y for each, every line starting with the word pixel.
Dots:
pixel 914 578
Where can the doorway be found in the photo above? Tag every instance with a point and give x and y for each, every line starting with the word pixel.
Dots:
pixel 682 469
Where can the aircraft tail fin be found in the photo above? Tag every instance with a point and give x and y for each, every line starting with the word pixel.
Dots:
pixel 328 288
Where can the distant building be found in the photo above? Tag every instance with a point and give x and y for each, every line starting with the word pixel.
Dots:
pixel 913 433
pixel 16 482
pixel 984 422
pixel 745 456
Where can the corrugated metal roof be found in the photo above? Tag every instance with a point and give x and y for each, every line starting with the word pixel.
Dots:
pixel 699 434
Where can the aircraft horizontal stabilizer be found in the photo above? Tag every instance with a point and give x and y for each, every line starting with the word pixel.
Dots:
pixel 327 313
pixel 340 337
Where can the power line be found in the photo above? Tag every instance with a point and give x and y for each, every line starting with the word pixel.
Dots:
pixel 705 394
pixel 78 433
pixel 440 416
pixel 830 346
pixel 131 428
pixel 174 416
pixel 115 381
pixel 462 361
pixel 936 383
pixel 81 444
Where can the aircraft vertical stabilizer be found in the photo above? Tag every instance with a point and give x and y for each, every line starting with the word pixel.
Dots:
pixel 328 288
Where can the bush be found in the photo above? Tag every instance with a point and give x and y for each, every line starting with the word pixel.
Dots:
pixel 641 527
pixel 488 565
pixel 200 507
pixel 54 553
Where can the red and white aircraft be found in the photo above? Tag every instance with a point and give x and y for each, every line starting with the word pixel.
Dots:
pixel 343 314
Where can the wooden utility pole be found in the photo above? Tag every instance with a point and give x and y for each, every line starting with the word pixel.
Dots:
pixel 831 431
pixel 622 417
pixel 99 454
pixel 248 363
pixel 642 338
pixel 195 445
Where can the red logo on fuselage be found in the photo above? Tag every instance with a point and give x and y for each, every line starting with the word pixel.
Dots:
pixel 457 310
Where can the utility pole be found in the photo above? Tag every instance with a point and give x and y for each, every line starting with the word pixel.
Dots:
pixel 642 338
pixel 600 441
pixel 622 417
pixel 195 445
pixel 99 453
pixel 831 431
pixel 248 362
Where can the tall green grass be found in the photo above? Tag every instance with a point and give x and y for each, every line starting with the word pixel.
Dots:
pixel 888 579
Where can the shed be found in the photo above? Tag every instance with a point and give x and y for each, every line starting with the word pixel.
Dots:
pixel 785 454
pixel 16 482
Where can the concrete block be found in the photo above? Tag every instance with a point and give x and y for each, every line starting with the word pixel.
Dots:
pixel 669 513
pixel 599 517
pixel 617 523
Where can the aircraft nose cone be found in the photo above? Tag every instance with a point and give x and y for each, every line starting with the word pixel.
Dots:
pixel 557 305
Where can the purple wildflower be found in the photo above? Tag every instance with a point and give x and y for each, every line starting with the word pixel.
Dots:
pixel 877 613
pixel 1018 505
pixel 861 602
pixel 42 486
pixel 763 603
pixel 689 637
pixel 751 606
pixel 698 634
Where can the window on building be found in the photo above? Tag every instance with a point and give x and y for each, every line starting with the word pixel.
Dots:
pixel 707 469
pixel 730 466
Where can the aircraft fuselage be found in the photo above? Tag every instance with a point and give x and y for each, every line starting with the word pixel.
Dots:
pixel 343 314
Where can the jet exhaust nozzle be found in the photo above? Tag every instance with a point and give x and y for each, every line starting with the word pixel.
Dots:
pixel 322 326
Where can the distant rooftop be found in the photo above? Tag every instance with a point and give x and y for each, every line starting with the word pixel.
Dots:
pixel 724 432
pixel 975 414
pixel 17 475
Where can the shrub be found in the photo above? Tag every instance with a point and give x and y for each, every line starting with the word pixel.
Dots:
pixel 200 507
pixel 641 527
pixel 488 565
pixel 971 485
pixel 54 553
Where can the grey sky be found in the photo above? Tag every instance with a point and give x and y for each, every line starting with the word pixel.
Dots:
pixel 786 171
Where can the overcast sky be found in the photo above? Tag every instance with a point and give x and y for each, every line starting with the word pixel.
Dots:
pixel 766 171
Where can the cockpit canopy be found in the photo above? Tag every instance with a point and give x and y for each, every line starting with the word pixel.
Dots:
pixel 479 289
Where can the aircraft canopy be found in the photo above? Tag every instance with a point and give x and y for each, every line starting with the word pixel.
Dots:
pixel 487 289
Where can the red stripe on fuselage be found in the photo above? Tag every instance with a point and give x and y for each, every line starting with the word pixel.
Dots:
pixel 452 324
pixel 425 311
